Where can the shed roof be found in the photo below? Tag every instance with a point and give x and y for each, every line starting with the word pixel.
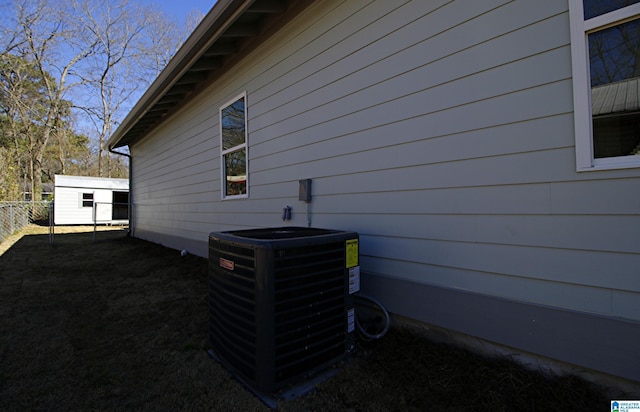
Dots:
pixel 91 182
pixel 230 30
pixel 622 96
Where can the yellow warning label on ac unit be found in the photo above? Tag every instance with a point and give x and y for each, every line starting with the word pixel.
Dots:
pixel 352 252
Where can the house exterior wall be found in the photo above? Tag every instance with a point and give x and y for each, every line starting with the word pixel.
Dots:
pixel 442 132
pixel 68 206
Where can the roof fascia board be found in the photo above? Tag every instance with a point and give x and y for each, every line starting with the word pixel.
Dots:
pixel 223 14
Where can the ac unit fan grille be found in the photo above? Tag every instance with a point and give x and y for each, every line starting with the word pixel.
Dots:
pixel 232 307
pixel 309 307
pixel 278 304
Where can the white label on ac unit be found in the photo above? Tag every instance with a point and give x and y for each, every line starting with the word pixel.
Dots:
pixel 354 279
pixel 351 320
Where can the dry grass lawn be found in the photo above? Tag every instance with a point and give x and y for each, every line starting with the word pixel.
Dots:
pixel 121 324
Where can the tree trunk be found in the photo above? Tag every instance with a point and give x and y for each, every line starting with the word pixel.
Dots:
pixel 36 182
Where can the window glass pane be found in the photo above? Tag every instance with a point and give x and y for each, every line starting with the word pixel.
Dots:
pixel 87 200
pixel 233 121
pixel 235 167
pixel 614 53
pixel 614 56
pixel 616 135
pixel 593 8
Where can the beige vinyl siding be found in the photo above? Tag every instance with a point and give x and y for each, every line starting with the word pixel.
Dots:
pixel 176 179
pixel 441 131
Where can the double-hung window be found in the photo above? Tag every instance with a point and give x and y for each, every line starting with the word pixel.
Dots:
pixel 233 136
pixel 605 46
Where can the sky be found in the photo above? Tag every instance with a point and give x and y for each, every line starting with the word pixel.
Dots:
pixel 179 9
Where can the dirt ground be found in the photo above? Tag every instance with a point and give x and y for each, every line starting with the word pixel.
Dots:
pixel 121 324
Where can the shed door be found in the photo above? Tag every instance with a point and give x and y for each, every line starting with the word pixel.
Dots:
pixel 120 209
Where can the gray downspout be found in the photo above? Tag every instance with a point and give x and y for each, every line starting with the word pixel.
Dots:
pixel 130 205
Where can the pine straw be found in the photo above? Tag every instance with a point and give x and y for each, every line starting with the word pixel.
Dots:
pixel 121 324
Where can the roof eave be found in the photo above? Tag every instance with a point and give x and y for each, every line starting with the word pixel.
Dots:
pixel 207 50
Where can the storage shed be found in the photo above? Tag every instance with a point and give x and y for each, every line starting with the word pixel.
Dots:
pixel 83 200
pixel 456 137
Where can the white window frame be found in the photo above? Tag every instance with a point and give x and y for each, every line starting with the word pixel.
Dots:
pixel 580 29
pixel 83 200
pixel 244 146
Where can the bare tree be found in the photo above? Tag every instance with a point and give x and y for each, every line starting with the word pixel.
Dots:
pixel 162 37
pixel 75 59
pixel 134 44
pixel 46 38
pixel 194 17
pixel 115 28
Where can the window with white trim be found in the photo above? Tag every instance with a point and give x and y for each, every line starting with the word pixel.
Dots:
pixel 233 143
pixel 605 46
pixel 87 200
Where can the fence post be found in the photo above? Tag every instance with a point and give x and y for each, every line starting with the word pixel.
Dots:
pixel 2 227
pixel 95 224
pixel 51 224
pixel 11 219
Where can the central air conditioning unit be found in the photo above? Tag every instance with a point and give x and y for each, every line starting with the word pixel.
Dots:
pixel 280 303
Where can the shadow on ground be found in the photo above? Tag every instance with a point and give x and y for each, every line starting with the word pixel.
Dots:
pixel 121 324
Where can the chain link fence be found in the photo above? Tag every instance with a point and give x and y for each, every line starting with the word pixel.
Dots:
pixel 16 215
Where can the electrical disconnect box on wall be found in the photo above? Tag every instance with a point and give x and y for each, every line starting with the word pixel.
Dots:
pixel 304 194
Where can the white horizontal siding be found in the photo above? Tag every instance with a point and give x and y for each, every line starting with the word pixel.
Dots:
pixel 68 208
pixel 441 131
